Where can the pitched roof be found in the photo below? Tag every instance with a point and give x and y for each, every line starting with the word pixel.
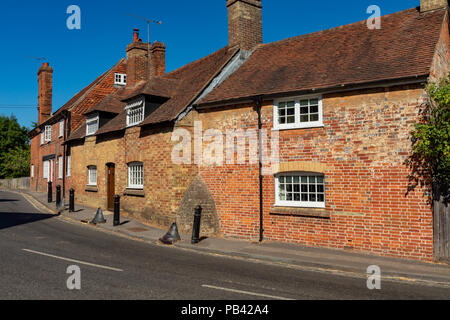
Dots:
pixel 182 86
pixel 158 86
pixel 111 104
pixel 88 97
pixel 350 54
pixel 193 79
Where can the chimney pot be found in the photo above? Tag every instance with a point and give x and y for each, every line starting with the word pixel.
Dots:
pixel 137 60
pixel 135 35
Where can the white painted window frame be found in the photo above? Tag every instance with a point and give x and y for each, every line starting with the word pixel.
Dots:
pixel 68 165
pixel 92 121
pixel 42 137
pixel 91 176
pixel 120 78
pixel 132 179
pixel 61 128
pixel 131 121
pixel 46 169
pixel 297 204
pixel 297 124
pixel 48 134
pixel 60 167
pixel 32 170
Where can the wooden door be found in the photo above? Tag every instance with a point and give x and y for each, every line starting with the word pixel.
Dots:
pixel 110 185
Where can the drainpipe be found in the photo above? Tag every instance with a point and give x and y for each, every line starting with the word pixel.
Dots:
pixel 64 156
pixel 66 115
pixel 258 102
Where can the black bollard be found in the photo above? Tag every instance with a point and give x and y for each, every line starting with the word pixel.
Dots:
pixel 72 200
pixel 49 192
pixel 58 196
pixel 196 226
pixel 116 220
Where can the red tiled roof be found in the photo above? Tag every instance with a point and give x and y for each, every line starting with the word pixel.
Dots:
pixel 76 99
pixel 193 79
pixel 111 103
pixel 182 86
pixel 350 54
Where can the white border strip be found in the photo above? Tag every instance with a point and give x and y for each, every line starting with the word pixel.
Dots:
pixel 246 292
pixel 73 260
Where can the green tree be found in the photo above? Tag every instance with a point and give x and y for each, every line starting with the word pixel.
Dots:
pixel 430 160
pixel 14 149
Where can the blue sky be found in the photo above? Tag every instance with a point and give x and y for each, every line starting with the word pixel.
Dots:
pixel 190 30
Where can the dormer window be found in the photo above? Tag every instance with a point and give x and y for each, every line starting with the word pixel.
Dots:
pixel 92 125
pixel 120 79
pixel 135 113
pixel 48 134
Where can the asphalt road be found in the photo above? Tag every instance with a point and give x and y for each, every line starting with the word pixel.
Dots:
pixel 36 249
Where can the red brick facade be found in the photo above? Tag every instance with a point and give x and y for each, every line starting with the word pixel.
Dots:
pixel 362 148
pixel 369 102
pixel 71 116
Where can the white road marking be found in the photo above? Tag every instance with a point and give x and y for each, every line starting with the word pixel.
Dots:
pixel 246 292
pixel 73 260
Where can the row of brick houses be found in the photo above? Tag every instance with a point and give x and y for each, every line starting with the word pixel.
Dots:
pixel 339 104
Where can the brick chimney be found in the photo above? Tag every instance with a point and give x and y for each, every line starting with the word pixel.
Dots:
pixel 45 85
pixel 158 59
pixel 244 23
pixel 137 60
pixel 428 5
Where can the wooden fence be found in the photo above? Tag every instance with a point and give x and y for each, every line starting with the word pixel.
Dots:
pixel 441 221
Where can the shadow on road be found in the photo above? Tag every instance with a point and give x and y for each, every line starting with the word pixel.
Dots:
pixel 8 200
pixel 11 219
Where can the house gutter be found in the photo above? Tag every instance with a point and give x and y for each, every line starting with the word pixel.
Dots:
pixel 258 101
pixel 325 90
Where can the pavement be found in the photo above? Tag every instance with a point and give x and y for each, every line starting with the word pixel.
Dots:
pixel 288 255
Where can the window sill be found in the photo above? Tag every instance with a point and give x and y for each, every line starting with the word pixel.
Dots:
pixel 91 188
pixel 312 126
pixel 134 192
pixel 300 212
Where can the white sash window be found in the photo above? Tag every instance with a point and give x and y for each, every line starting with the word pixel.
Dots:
pixel 92 175
pixel 136 175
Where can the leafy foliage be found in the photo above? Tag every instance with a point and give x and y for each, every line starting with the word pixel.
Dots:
pixel 14 149
pixel 430 159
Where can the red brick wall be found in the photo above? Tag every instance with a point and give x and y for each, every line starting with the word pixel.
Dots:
pixel 38 151
pixel 164 182
pixel 363 146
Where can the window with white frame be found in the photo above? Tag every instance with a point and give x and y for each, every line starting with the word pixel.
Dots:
pixel 300 189
pixel 42 137
pixel 68 165
pixel 136 175
pixel 48 133
pixel 60 167
pixel 92 125
pixel 46 171
pixel 120 78
pixel 92 175
pixel 303 112
pixel 61 128
pixel 32 170
pixel 135 113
